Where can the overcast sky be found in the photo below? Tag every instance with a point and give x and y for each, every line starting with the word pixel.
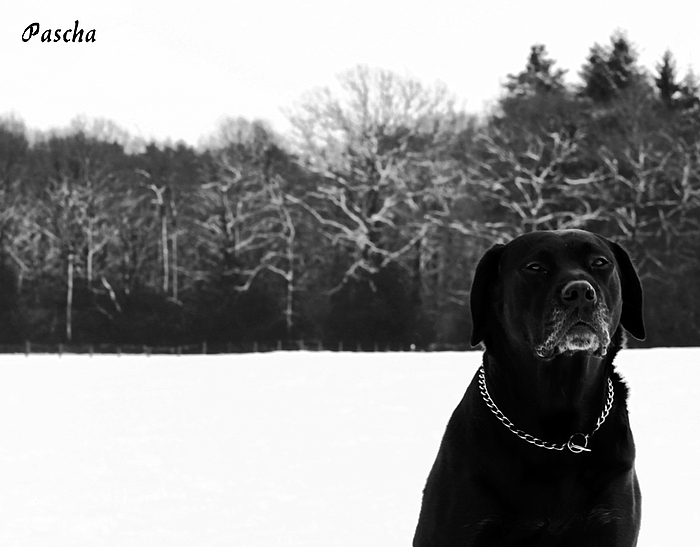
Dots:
pixel 164 69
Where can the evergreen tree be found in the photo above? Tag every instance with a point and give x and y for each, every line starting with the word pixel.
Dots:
pixel 666 80
pixel 538 76
pixel 537 100
pixel 610 70
pixel 622 62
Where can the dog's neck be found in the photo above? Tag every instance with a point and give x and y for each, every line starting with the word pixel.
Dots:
pixel 550 399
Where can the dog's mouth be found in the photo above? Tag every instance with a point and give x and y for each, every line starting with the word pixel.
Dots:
pixel 580 327
pixel 569 333
pixel 580 336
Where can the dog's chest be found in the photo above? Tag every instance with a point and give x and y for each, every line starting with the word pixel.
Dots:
pixel 557 527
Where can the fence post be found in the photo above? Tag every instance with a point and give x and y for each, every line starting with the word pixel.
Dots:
pixel 204 347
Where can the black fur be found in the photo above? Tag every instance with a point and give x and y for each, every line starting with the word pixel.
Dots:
pixel 489 487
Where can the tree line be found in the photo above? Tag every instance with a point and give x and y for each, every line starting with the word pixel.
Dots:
pixel 364 223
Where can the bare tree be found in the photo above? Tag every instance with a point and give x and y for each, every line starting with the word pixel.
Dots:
pixel 64 207
pixel 165 203
pixel 172 202
pixel 281 256
pixel 77 221
pixel 250 228
pixel 531 182
pixel 160 202
pixel 368 143
pixel 233 206
pixel 132 242
pixel 652 192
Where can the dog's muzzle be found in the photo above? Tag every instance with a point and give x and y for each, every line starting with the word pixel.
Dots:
pixel 568 330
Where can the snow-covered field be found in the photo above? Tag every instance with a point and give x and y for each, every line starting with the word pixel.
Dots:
pixel 313 449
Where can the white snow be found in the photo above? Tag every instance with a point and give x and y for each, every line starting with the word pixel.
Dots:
pixel 314 449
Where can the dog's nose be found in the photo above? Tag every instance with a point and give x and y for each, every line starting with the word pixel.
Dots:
pixel 577 294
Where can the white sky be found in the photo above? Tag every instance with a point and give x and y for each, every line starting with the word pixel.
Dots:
pixel 164 69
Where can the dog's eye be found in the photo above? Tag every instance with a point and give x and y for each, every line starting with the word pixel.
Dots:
pixel 535 267
pixel 600 262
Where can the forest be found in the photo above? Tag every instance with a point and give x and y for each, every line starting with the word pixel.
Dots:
pixel 363 225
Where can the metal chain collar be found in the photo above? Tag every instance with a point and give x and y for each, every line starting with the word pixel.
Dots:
pixel 574 443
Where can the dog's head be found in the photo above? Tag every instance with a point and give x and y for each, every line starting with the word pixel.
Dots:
pixel 556 292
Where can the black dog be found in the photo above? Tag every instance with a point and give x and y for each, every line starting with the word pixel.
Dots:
pixel 539 451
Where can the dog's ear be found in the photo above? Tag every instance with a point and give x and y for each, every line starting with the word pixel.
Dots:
pixel 485 274
pixel 632 317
